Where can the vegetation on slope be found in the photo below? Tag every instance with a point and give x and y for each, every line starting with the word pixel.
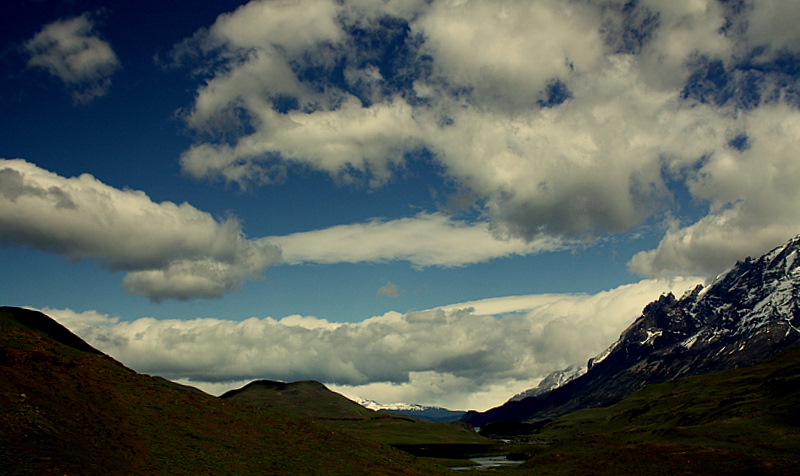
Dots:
pixel 68 409
pixel 313 400
pixel 741 421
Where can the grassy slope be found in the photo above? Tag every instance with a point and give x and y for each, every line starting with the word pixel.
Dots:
pixel 743 421
pixel 315 401
pixel 64 410
pixel 67 409
pixel 309 399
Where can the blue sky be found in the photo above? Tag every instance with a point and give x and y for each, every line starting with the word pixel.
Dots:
pixel 336 170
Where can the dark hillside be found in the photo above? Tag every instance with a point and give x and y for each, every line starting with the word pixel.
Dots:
pixel 741 421
pixel 311 399
pixel 37 322
pixel 306 398
pixel 65 408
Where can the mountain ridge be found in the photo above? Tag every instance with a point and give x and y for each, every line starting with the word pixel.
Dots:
pixel 424 412
pixel 37 321
pixel 745 315
pixel 738 421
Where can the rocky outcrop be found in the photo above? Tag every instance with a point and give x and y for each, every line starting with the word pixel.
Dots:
pixel 746 315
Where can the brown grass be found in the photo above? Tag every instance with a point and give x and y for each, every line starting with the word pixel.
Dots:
pixel 68 411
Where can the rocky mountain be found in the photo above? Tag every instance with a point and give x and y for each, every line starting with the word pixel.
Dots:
pixel 746 315
pixel 552 381
pixel 422 412
pixel 736 422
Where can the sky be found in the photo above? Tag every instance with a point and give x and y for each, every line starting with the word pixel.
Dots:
pixel 436 202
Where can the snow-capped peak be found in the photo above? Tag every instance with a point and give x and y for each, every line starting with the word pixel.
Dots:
pixel 373 405
pixel 747 314
pixel 552 381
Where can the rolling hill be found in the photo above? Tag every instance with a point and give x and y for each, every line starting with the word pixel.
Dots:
pixel 66 408
pixel 708 383
pixel 310 399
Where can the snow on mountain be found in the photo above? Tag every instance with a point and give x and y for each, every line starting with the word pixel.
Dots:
pixel 373 405
pixel 552 381
pixel 748 314
pixel 412 410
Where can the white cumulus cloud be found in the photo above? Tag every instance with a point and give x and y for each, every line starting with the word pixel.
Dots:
pixel 388 290
pixel 571 120
pixel 175 251
pixel 773 23
pixel 462 356
pixel 168 250
pixel 71 50
pixel 753 196
pixel 427 239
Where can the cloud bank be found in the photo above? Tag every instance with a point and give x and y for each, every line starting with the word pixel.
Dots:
pixel 167 250
pixel 172 251
pixel 72 51
pixel 462 356
pixel 563 120
pixel 427 239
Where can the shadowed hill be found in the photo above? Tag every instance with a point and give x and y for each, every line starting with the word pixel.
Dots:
pixel 311 399
pixel 37 322
pixel 741 421
pixel 66 408
pixel 305 398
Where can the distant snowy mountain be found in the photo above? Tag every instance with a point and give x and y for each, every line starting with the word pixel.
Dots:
pixel 746 315
pixel 416 411
pixel 551 382
pixel 373 405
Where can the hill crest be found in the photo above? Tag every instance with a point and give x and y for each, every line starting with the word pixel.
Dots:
pixel 66 408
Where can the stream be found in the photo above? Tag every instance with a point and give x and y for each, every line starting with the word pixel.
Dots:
pixel 487 462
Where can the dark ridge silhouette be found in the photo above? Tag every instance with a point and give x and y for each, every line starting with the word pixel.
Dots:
pixel 37 321
pixel 66 408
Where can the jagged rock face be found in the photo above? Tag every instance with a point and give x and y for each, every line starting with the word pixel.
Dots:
pixel 747 315
pixel 553 380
